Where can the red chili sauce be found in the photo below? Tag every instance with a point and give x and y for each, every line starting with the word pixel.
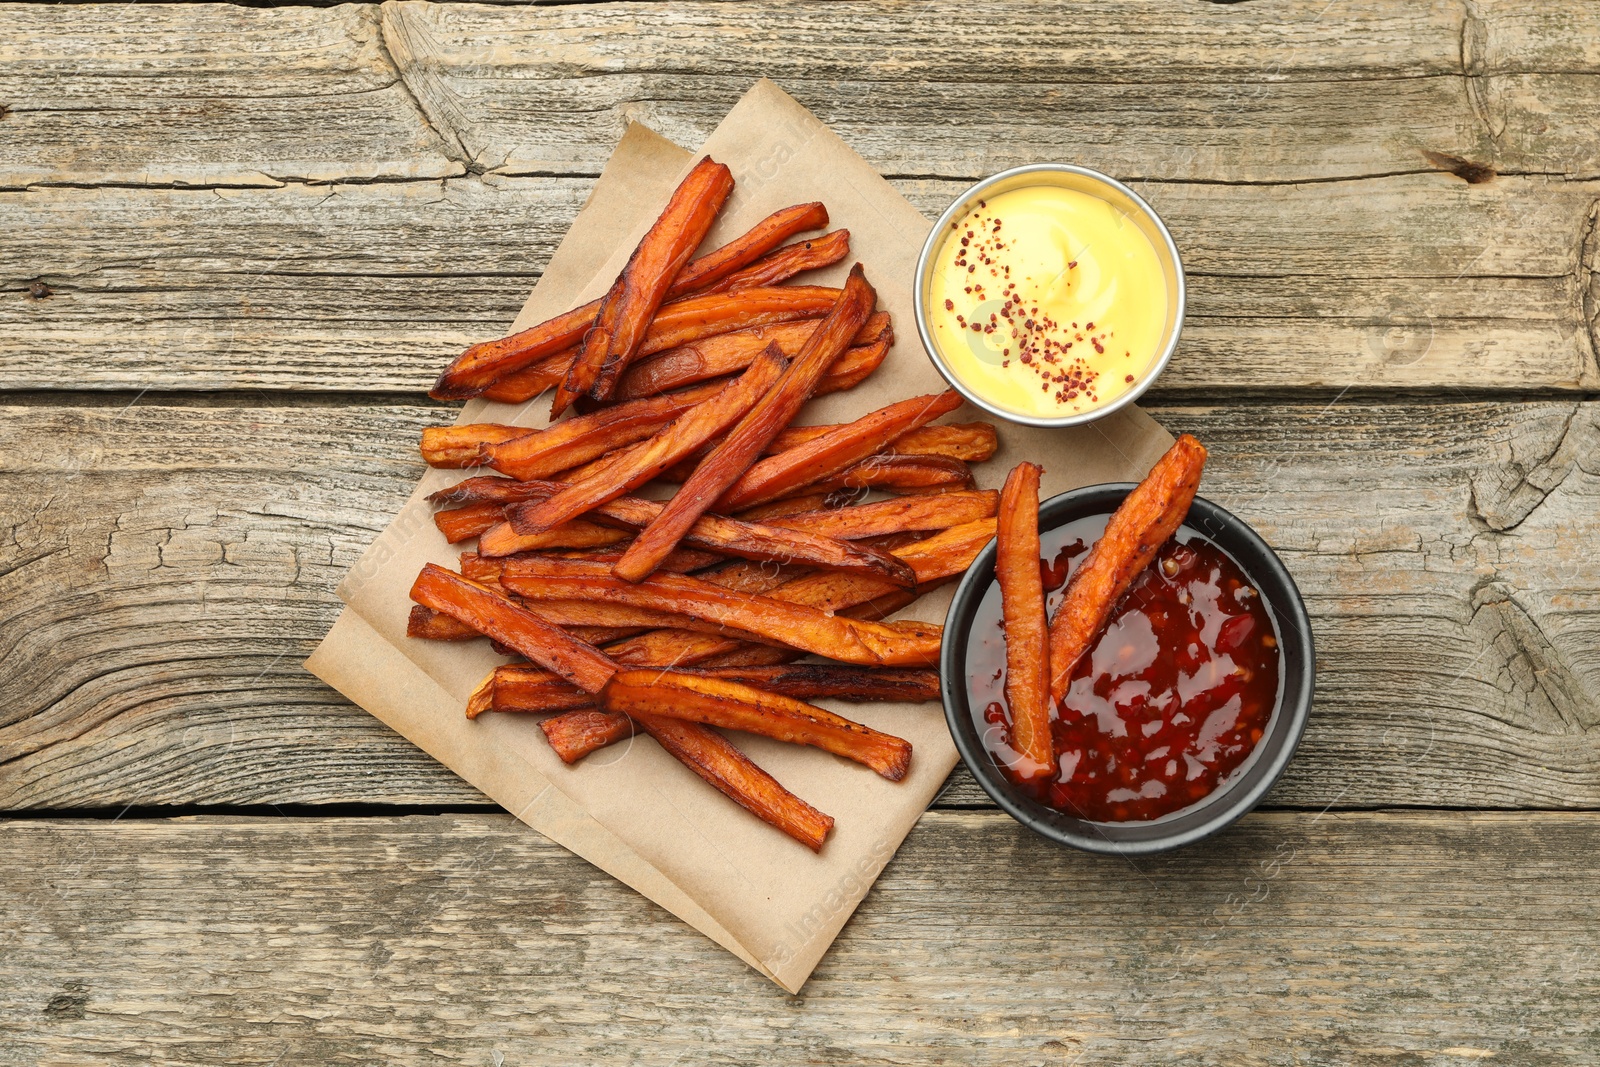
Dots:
pixel 1167 704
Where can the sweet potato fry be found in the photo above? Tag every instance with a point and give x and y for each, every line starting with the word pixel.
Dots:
pixel 973 442
pixel 488 489
pixel 704 316
pixel 854 367
pixel 576 611
pixel 683 648
pixel 460 524
pixel 750 576
pixel 881 607
pixel 948 553
pixel 577 733
pixel 813 681
pixel 641 462
pixel 784 263
pixel 659 647
pixel 455 447
pixel 521 688
pixel 502 539
pixel 834 451
pixel 481 365
pixel 726 353
pixel 480 698
pixel 625 312
pixel 799 504
pixel 934 559
pixel 1149 515
pixel 566 444
pixel 573 613
pixel 734 453
pixel 1016 567
pixel 757 243
pixel 751 656
pixel 518 386
pixel 679 324
pixel 715 759
pixel 702 606
pixel 487 570
pixel 898 473
pixel 747 540
pixel 492 614
pixel 481 569
pixel 735 706
pixel 898 515
pixel 600 635
pixel 683 561
pixel 432 625
pixel 618 460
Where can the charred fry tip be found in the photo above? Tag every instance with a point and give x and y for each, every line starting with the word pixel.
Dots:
pixel 440 392
pixel 445 386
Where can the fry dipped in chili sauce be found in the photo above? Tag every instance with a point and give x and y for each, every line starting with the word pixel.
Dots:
pixel 1175 672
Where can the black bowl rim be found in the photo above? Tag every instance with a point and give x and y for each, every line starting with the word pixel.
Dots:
pixel 1233 803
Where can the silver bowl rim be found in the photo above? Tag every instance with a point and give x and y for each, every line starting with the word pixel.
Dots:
pixel 919 294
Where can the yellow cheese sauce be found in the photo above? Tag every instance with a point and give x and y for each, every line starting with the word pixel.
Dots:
pixel 1047 301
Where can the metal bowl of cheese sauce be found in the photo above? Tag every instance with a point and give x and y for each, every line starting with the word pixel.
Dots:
pixel 1050 295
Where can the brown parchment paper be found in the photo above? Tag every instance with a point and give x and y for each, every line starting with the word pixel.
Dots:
pixel 632 809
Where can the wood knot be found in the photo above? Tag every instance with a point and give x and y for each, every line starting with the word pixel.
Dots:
pixel 71 1003
pixel 1468 171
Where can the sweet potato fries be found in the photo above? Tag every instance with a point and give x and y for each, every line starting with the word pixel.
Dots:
pixel 1149 515
pixel 1016 567
pixel 733 537
pixel 482 365
pixel 705 752
pixel 750 437
pixel 735 706
pixel 677 616
pixel 625 312
pixel 706 607
pixel 833 451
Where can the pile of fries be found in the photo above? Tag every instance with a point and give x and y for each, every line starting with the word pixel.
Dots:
pixel 672 617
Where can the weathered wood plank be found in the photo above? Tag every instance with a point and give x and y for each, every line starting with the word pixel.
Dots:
pixel 1408 281
pixel 1293 939
pixel 206 94
pixel 215 94
pixel 164 569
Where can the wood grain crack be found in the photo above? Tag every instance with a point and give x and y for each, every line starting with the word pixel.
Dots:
pixel 1483 94
pixel 1588 288
pixel 1530 667
pixel 1507 491
pixel 406 47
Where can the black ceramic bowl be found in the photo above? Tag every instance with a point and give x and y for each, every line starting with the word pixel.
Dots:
pixel 1244 789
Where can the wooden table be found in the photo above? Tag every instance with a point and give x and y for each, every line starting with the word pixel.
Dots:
pixel 236 243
